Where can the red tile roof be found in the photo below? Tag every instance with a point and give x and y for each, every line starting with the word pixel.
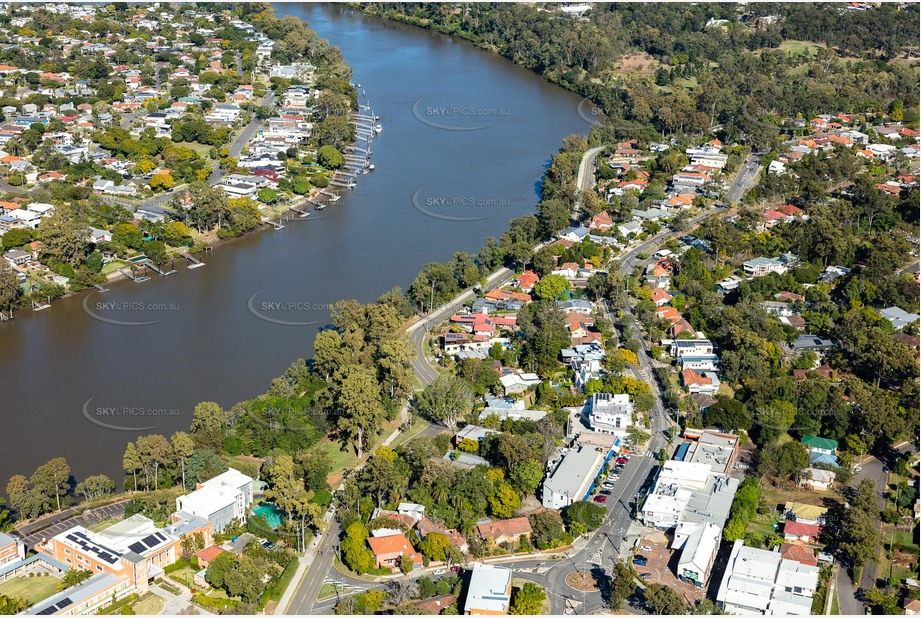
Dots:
pixel 800 529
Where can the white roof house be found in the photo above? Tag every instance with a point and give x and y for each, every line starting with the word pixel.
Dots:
pixel 611 413
pixel 518 382
pixel 490 590
pixel 898 317
pixel 758 581
pixel 220 500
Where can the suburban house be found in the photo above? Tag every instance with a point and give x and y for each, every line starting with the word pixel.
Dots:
pixel 208 554
pixel 758 581
pixel 490 590
pixel 821 450
pixel 798 531
pixel 224 498
pixel 805 513
pixel 708 383
pixel 898 317
pixel 799 553
pixel 760 266
pixel 504 531
pixel 389 551
pixel 817 480
pixel 518 382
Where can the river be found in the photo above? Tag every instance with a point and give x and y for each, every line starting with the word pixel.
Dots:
pixel 466 132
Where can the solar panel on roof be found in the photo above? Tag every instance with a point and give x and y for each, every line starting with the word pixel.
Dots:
pixel 136 547
pixel 47 611
pixel 150 541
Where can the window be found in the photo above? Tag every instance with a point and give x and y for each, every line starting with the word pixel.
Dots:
pixel 98 568
pixel 67 551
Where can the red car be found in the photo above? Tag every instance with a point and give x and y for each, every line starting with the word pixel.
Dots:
pixel 601 499
pixel 621 460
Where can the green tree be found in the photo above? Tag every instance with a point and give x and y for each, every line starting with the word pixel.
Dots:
pixel 356 402
pixel 131 462
pixel 526 475
pixel 52 479
pixel 10 289
pixel 663 600
pixel 329 157
pixel 448 400
pixel 527 600
pixel 267 195
pixel 589 514
pixel 504 501
pixel 74 577
pixel 622 586
pixel 551 287
pixel 183 446
pixel 435 546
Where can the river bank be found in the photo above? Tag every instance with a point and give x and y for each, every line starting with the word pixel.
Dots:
pixel 210 346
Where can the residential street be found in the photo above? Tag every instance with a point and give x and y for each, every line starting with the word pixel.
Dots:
pixel 602 547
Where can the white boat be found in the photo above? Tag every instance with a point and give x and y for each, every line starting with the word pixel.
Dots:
pixel 334 197
pixel 378 128
pixel 303 215
pixel 320 206
pixel 371 167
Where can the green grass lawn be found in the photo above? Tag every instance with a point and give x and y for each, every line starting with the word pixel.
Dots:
pixel 180 576
pixel 31 589
pixel 799 47
pixel 835 610
pixel 150 605
pixel 111 267
pixel 906 539
pixel 761 527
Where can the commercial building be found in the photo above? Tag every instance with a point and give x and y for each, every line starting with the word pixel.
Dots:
pixel 717 449
pixel 11 550
pixel 489 592
pixel 574 477
pixel 758 581
pixel 611 413
pixel 688 492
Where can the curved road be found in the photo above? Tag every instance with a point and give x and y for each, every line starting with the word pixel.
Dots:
pixel 606 544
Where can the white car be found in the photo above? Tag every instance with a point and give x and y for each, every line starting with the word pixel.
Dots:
pixel 646 548
pixel 439 572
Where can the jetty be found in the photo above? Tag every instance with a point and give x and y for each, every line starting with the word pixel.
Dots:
pixel 134 277
pixel 100 288
pixel 193 262
pixel 163 273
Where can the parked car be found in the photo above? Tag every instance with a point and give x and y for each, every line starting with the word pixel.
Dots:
pixel 439 572
pixel 646 575
pixel 640 561
pixel 646 548
pixel 621 460
pixel 601 499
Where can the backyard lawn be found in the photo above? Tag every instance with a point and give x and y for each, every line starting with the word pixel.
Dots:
pixel 150 605
pixel 31 589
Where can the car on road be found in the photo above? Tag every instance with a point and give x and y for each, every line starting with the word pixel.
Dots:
pixel 601 499
pixel 439 572
pixel 646 548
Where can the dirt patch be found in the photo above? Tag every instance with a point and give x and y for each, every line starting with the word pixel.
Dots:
pixel 582 581
pixel 641 63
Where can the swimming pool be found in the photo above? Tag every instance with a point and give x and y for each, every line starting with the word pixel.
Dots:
pixel 273 515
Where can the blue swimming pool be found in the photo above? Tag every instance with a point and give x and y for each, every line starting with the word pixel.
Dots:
pixel 273 515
